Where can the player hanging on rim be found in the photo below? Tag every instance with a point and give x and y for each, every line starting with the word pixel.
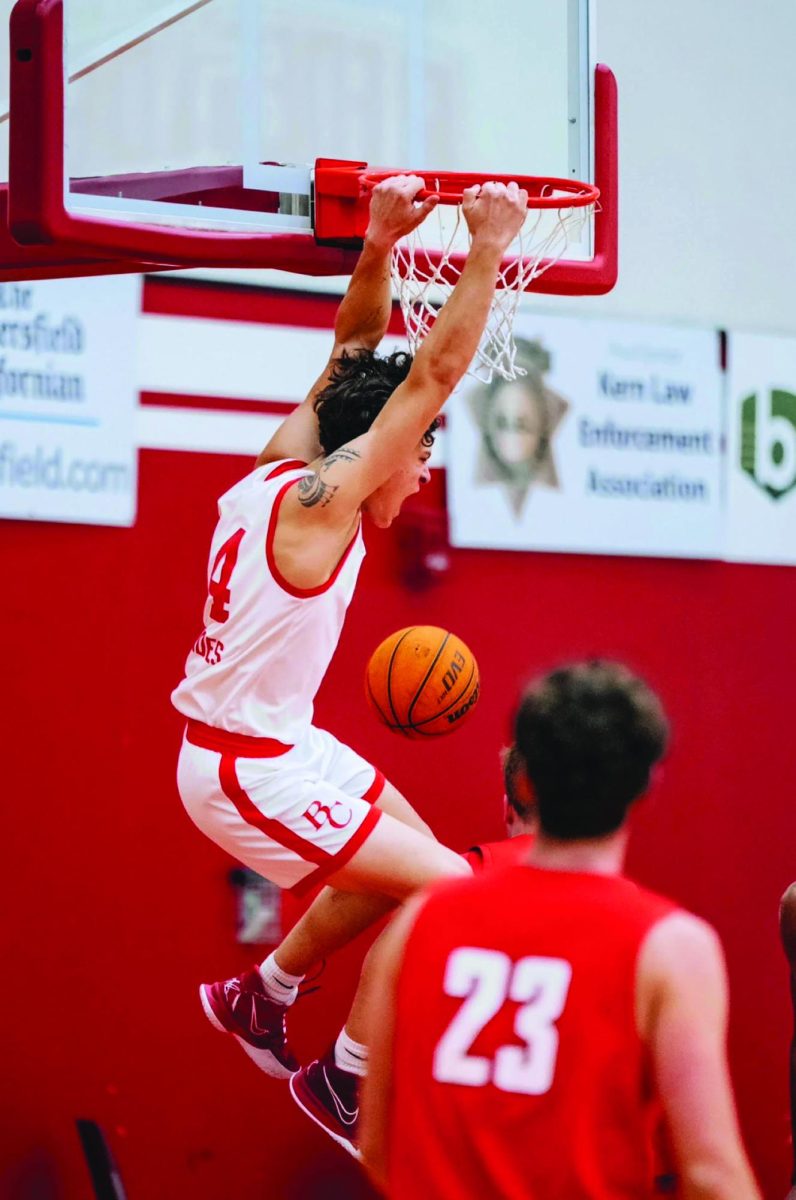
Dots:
pixel 283 797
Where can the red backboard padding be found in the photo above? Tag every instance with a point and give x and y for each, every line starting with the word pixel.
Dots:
pixel 38 214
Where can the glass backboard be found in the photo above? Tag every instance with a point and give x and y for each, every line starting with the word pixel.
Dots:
pixel 168 85
pixel 206 116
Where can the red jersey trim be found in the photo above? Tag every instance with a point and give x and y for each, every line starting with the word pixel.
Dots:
pixel 300 593
pixel 275 830
pixel 341 858
pixel 289 464
pixel 242 744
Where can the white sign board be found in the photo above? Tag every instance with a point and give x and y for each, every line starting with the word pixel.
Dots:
pixel 761 449
pixel 611 443
pixel 68 396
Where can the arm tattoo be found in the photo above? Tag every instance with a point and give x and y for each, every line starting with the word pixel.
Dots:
pixel 312 491
pixel 343 455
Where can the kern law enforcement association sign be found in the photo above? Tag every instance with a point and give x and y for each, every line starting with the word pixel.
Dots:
pixel 609 443
pixel 68 395
pixel 761 449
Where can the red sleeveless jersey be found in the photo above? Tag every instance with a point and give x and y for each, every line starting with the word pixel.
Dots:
pixel 518 1073
pixel 506 853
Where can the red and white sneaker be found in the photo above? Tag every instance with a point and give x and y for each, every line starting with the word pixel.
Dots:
pixel 242 1007
pixel 330 1098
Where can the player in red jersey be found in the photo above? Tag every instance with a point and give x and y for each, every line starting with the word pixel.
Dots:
pixel 519 814
pixel 560 1001
pixel 521 828
pixel 255 774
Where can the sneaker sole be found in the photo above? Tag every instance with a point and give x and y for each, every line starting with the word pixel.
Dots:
pixel 345 1142
pixel 264 1059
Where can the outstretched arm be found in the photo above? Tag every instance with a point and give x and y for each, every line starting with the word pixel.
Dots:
pixel 494 213
pixel 364 312
pixel 682 990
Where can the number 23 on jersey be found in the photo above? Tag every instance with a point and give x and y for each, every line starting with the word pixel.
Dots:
pixel 486 980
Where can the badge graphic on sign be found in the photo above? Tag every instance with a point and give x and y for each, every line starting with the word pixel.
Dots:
pixel 517 422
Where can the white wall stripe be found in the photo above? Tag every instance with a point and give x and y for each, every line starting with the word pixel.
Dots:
pixel 161 428
pixel 203 357
pixel 199 430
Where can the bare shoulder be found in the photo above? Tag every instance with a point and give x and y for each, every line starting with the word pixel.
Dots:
pixel 683 935
pixel 334 487
pixel 325 492
pixel 318 489
pixel 681 965
pixel 317 519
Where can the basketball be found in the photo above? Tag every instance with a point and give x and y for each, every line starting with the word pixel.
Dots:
pixel 422 681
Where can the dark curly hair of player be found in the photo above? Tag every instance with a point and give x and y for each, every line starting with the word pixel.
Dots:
pixel 589 735
pixel 361 382
pixel 513 768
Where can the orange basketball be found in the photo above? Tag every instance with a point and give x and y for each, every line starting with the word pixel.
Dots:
pixel 422 681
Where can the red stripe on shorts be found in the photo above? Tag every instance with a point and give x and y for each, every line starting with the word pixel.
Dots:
pixel 341 858
pixel 275 830
pixel 376 788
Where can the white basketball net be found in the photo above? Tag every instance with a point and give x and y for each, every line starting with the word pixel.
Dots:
pixel 424 284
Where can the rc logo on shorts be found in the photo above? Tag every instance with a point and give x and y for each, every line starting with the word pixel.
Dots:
pixel 768 441
pixel 319 814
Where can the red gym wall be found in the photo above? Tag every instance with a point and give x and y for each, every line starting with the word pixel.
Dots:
pixel 116 907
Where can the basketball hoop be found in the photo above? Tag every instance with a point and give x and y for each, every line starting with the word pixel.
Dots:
pixel 558 210
pixel 58 220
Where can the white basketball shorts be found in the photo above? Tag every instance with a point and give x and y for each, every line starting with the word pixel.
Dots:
pixel 295 814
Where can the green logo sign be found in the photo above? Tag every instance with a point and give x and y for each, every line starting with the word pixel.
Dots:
pixel 768 441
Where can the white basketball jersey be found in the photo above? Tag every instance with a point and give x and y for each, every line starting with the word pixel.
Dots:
pixel 259 662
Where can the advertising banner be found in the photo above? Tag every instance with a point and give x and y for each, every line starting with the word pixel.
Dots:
pixel 610 443
pixel 761 449
pixel 68 396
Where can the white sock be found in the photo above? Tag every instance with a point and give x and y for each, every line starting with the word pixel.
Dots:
pixel 280 986
pixel 350 1056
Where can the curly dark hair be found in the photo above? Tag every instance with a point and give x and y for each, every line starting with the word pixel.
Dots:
pixel 361 382
pixel 513 765
pixel 589 735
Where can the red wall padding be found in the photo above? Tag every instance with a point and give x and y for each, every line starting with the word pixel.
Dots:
pixel 115 907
